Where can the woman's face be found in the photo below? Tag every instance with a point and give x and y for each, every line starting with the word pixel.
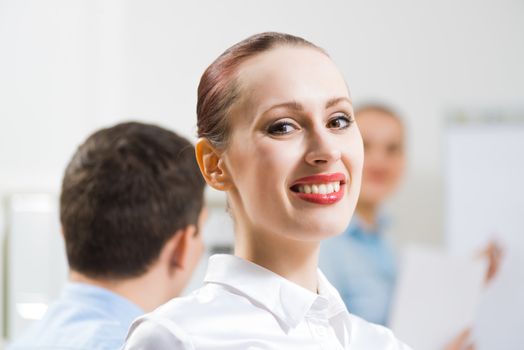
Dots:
pixel 383 137
pixel 295 154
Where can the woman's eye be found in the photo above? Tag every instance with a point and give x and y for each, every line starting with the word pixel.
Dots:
pixel 339 122
pixel 281 128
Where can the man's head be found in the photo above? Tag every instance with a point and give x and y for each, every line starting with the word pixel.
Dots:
pixel 383 134
pixel 132 196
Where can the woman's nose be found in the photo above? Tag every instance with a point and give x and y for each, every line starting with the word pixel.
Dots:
pixel 322 149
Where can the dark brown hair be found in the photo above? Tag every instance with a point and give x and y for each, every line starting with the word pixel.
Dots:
pixel 218 88
pixel 125 192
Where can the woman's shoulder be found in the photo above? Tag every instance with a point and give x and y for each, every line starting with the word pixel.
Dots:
pixel 149 333
pixel 373 335
pixel 199 318
pixel 169 326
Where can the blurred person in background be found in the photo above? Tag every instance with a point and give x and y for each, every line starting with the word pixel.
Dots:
pixel 130 208
pixel 361 262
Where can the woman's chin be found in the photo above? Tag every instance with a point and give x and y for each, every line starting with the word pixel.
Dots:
pixel 322 230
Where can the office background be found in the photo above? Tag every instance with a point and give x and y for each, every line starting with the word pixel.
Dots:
pixel 69 67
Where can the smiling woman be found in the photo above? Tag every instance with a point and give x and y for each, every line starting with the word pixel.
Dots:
pixel 292 121
pixel 277 133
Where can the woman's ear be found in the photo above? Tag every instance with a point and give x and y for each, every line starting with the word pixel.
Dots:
pixel 212 165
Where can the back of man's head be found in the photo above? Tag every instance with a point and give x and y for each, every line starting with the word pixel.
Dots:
pixel 125 193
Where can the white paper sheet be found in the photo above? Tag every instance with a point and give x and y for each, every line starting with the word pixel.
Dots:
pixel 437 296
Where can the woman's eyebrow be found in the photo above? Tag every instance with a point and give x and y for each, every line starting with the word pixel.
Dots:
pixel 294 105
pixel 291 105
pixel 333 101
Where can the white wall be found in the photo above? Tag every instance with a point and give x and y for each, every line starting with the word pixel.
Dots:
pixel 70 66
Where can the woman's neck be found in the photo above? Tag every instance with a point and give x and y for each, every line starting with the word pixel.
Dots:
pixel 292 259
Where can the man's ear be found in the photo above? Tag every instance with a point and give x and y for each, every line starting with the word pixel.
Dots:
pixel 178 249
pixel 212 165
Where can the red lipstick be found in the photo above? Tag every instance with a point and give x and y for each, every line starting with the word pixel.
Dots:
pixel 319 179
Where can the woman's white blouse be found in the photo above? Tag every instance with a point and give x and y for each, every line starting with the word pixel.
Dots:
pixel 245 306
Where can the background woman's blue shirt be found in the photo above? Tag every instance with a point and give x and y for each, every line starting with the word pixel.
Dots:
pixel 361 265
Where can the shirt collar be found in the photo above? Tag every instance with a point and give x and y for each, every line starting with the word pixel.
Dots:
pixel 118 307
pixel 335 303
pixel 287 301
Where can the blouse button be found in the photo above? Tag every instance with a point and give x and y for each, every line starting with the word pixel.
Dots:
pixel 321 331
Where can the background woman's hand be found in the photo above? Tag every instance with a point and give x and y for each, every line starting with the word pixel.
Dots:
pixel 461 342
pixel 493 252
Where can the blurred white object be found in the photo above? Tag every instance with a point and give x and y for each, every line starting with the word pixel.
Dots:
pixel 436 297
pixel 36 262
pixel 2 270
pixel 485 201
pixel 31 311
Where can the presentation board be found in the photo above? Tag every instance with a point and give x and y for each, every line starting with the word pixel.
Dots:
pixel 484 200
pixel 2 278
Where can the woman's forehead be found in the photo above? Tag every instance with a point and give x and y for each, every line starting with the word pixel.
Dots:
pixel 290 74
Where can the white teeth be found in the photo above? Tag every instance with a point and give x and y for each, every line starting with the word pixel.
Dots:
pixel 325 188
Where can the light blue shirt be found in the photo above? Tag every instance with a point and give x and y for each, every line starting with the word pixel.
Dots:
pixel 360 264
pixel 85 317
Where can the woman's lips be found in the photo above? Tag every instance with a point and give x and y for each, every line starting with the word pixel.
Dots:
pixel 320 178
pixel 320 188
pixel 322 198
